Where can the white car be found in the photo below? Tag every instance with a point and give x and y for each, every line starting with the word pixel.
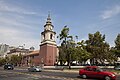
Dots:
pixel 34 69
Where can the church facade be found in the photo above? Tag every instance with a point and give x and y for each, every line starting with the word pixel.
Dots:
pixel 48 52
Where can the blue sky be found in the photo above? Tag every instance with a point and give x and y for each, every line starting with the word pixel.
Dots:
pixel 22 21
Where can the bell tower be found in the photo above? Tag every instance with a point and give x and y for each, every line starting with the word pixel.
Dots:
pixel 48 47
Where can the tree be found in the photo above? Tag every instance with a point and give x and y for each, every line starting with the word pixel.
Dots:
pixel 117 42
pixel 116 49
pixel 19 59
pixel 64 33
pixel 62 49
pixel 2 61
pixel 66 44
pixel 7 59
pixel 70 50
pixel 98 48
pixel 82 54
pixel 16 60
pixel 62 55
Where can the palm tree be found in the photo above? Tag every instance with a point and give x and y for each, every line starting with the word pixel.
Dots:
pixel 64 36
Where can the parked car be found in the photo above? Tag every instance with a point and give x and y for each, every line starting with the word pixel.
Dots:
pixel 34 69
pixel 96 73
pixel 117 67
pixel 8 66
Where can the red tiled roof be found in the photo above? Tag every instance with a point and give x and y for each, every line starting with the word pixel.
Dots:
pixel 33 53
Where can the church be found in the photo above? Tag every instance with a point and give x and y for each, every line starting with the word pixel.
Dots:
pixel 48 52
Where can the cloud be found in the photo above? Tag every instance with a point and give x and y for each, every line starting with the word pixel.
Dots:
pixel 17 22
pixel 12 8
pixel 111 12
pixel 13 15
pixel 16 27
pixel 14 37
pixel 20 25
pixel 15 33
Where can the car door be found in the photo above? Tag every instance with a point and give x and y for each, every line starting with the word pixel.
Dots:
pixel 89 72
pixel 96 73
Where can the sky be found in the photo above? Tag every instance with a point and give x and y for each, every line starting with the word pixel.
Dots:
pixel 22 21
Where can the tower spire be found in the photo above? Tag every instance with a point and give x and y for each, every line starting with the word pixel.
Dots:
pixel 48 25
pixel 48 14
pixel 49 19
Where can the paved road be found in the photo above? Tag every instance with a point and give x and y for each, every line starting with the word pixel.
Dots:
pixel 13 75
pixel 20 74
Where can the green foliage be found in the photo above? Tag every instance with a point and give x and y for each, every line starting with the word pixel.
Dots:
pixel 2 61
pixel 7 59
pixel 117 42
pixel 70 50
pixel 64 33
pixel 95 48
pixel 67 43
pixel 116 49
pixel 62 54
pixel 98 48
pixel 82 54
pixel 15 59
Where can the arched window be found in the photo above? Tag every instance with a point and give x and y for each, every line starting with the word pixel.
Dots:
pixel 44 36
pixel 51 36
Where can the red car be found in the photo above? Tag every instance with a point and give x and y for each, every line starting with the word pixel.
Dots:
pixel 96 73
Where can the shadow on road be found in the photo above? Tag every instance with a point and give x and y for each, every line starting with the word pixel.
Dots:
pixel 86 79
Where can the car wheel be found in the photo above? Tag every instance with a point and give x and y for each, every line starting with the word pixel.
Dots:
pixel 107 78
pixel 84 76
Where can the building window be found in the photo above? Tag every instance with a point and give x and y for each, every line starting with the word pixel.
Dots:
pixel 51 36
pixel 44 36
